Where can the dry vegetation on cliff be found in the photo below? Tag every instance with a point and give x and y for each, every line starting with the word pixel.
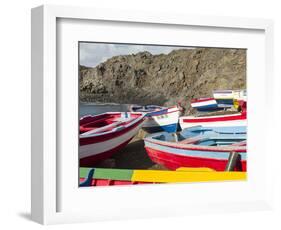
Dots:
pixel 181 75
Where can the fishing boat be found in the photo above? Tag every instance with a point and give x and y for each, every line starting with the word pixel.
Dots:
pixel 159 118
pixel 205 104
pixel 103 135
pixel 224 98
pixel 235 119
pixel 146 108
pixel 240 95
pixel 198 147
pixel 240 104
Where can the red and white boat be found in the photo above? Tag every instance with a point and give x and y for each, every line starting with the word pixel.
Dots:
pixel 237 119
pixel 103 135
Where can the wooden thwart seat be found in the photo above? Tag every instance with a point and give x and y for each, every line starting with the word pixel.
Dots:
pixel 191 140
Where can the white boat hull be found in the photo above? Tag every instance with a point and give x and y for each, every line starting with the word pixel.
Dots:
pixel 163 122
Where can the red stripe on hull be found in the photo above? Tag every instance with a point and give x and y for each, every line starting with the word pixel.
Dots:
pixel 173 161
pixel 86 119
pixel 202 100
pixel 235 148
pixel 90 161
pixel 214 119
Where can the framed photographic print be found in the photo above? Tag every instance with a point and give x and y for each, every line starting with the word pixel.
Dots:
pixel 132 110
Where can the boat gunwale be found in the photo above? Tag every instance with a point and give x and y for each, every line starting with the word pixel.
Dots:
pixel 198 157
pixel 193 147
pixel 134 122
pixel 198 100
pixel 167 112
pixel 211 118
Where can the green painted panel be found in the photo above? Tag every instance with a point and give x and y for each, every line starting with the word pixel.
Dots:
pixel 84 172
pixel 113 174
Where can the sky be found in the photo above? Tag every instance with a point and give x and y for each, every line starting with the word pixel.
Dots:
pixel 92 54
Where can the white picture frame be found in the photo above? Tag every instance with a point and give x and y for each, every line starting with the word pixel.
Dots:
pixel 54 202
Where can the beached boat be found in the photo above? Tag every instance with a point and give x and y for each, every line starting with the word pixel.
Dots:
pixel 226 98
pixel 159 118
pixel 198 147
pixel 236 119
pixel 223 97
pixel 240 95
pixel 146 108
pixel 205 104
pixel 105 134
pixel 240 105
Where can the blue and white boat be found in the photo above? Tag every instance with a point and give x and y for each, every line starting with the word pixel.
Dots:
pixel 205 104
pixel 224 98
pixel 240 95
pixel 159 118
pixel 198 147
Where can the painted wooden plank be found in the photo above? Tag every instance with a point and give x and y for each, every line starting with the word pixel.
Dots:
pixel 195 169
pixel 181 176
pixel 160 176
pixel 84 172
pixel 113 174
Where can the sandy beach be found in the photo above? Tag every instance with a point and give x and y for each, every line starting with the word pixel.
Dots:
pixel 133 156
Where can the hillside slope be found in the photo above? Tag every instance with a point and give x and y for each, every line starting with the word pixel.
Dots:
pixel 181 75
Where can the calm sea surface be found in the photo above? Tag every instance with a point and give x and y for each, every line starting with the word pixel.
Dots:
pixel 93 109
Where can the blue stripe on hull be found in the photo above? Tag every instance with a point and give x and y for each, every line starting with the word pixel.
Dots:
pixel 210 106
pixel 206 108
pixel 224 101
pixel 157 113
pixel 167 128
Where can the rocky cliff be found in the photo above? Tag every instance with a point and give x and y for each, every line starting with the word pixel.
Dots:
pixel 181 75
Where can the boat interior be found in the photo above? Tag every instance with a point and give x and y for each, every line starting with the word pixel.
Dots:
pixel 221 136
pixel 106 123
pixel 147 108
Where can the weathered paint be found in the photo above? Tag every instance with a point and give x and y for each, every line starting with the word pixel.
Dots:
pixel 125 176
pixel 113 174
pixel 183 176
pixel 195 169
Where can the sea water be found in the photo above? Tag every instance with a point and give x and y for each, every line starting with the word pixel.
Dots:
pixel 94 109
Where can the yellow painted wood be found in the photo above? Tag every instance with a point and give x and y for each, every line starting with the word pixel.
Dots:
pixel 198 169
pixel 235 104
pixel 160 176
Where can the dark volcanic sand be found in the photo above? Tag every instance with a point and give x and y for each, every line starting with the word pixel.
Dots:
pixel 133 156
